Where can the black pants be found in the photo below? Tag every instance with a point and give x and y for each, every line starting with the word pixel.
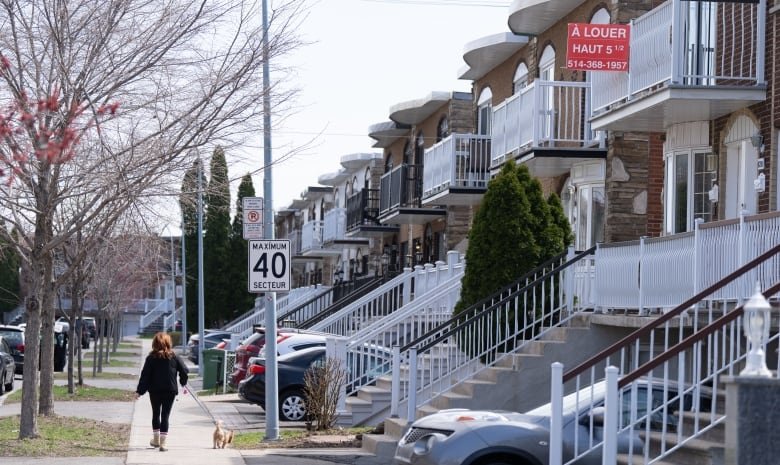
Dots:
pixel 162 403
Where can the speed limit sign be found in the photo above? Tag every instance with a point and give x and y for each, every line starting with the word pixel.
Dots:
pixel 269 265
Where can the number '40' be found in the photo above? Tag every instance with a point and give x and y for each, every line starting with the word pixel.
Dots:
pixel 278 265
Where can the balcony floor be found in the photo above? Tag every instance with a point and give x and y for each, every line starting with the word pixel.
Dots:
pixel 374 230
pixel 552 162
pixel 460 196
pixel 412 215
pixel 656 111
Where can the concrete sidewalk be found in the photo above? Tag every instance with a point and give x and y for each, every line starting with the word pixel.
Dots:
pixel 191 429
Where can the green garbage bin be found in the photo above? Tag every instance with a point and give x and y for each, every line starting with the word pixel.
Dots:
pixel 213 362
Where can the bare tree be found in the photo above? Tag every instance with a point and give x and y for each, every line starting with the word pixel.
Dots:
pixel 107 100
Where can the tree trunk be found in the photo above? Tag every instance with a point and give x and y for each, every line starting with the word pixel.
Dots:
pixel 28 427
pixel 47 351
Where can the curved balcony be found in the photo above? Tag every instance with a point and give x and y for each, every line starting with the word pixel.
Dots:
pixel 456 170
pixel 676 77
pixel 532 17
pixel 545 126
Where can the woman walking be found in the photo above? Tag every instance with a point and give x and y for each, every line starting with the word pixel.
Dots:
pixel 158 377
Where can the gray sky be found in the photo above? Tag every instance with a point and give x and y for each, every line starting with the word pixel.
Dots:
pixel 367 56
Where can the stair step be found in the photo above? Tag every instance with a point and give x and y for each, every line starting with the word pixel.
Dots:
pixel 396 427
pixel 381 445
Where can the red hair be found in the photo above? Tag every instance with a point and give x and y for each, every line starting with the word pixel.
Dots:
pixel 162 347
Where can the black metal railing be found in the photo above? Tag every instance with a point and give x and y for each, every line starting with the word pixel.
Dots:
pixel 401 187
pixel 363 209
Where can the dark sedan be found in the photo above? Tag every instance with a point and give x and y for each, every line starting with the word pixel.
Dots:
pixel 7 367
pixel 211 338
pixel 14 336
pixel 291 368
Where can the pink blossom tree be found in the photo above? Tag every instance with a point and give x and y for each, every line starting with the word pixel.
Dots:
pixel 102 107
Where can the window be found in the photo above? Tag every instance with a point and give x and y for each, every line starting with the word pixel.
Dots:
pixel 700 37
pixel 367 179
pixel 443 129
pixel 389 162
pixel 583 202
pixel 520 80
pixel 408 153
pixel 485 111
pixel 547 73
pixel 419 149
pixel 689 178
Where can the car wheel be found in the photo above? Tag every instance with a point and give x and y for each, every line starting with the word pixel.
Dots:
pixel 2 384
pixel 10 386
pixel 292 406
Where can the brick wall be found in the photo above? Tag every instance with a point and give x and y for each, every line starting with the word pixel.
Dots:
pixel 655 185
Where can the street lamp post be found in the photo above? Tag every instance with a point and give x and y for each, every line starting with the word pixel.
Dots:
pixel 756 322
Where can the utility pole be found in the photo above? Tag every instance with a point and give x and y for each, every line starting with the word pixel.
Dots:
pixel 183 288
pixel 200 269
pixel 271 366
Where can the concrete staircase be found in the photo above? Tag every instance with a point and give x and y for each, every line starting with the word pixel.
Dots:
pixel 518 382
pixel 154 327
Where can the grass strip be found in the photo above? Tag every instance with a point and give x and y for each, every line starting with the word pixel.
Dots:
pixel 82 393
pixel 65 437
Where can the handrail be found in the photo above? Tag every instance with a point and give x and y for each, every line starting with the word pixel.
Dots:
pixel 304 304
pixel 470 320
pixel 481 303
pixel 689 341
pixel 652 325
pixel 341 303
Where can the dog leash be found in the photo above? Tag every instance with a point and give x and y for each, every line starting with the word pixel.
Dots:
pixel 200 404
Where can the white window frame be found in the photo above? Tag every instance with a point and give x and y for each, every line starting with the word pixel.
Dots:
pixel 520 80
pixel 670 193
pixel 485 111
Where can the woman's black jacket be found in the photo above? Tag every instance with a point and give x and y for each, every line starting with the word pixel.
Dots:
pixel 159 375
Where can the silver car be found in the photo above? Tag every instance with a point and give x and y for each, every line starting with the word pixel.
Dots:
pixel 482 437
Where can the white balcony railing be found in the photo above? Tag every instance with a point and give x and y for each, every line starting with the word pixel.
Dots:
pixel 335 225
pixel 689 44
pixel 543 114
pixel 660 273
pixel 311 236
pixel 460 160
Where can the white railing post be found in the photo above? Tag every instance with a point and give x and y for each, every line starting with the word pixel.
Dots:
pixel 595 289
pixel 696 252
pixel 336 348
pixel 395 384
pixel 570 282
pixel 430 280
pixel 611 409
pixel 412 397
pixel 440 273
pixel 453 256
pixel 556 414
pixel 760 41
pixel 678 53
pixel 419 283
pixel 407 292
pixel 641 270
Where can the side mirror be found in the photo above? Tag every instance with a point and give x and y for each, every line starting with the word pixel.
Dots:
pixel 596 417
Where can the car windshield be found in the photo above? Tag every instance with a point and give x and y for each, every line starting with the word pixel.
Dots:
pixel 13 337
pixel 575 401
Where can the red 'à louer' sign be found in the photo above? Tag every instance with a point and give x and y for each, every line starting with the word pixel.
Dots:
pixel 598 47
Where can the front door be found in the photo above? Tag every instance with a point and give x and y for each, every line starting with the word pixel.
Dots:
pixel 741 171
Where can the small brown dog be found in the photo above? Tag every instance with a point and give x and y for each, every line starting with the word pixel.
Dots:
pixel 222 436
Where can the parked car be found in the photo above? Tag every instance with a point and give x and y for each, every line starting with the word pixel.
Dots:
pixel 211 337
pixel 7 367
pixel 290 370
pixel 14 336
pixel 252 346
pixel 470 437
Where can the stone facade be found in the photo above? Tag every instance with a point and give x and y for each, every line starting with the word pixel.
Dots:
pixel 626 186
